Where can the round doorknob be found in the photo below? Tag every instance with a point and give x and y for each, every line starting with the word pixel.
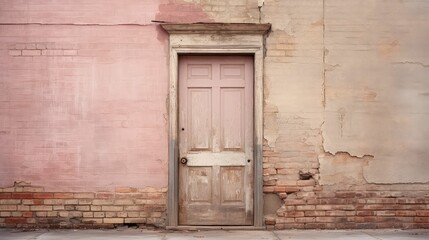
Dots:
pixel 183 160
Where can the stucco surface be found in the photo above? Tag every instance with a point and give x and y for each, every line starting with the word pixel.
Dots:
pixel 377 87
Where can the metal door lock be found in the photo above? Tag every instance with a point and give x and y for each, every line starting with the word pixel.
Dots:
pixel 183 160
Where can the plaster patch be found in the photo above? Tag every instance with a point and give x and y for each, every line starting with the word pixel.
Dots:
pixel 271 125
pixel 342 168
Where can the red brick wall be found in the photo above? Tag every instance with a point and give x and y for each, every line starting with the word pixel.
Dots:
pixel 30 207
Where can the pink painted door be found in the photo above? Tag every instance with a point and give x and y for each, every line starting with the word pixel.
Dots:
pixel 216 140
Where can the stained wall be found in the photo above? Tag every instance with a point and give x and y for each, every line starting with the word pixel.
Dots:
pixel 84 88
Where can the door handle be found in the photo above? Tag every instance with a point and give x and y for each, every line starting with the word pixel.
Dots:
pixel 183 160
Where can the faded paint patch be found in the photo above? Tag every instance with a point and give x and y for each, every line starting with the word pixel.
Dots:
pixel 389 48
pixel 181 12
pixel 271 126
pixel 272 202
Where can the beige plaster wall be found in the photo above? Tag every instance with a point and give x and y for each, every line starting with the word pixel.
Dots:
pixel 376 86
pixel 346 89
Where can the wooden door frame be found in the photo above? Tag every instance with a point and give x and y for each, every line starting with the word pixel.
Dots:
pixel 215 38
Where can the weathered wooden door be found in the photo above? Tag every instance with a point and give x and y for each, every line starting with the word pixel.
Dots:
pixel 216 140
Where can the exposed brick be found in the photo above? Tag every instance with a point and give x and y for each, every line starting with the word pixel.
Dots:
pixel 385 213
pixel 345 194
pixel 305 207
pixel 43 195
pixel 15 52
pixel 365 213
pixel 50 52
pixel 305 220
pixel 70 52
pixel 405 213
pixel 5 195
pixel 112 208
pixel 422 213
pixel 20 46
pixel 125 190
pixel 95 208
pixel 32 201
pixel 23 208
pixel 53 201
pixel 27 214
pixel 88 214
pixel 99 214
pixel 16 220
pixel 85 201
pixel 294 214
pixel 30 46
pixel 325 219
pixel 82 208
pixel 71 201
pixel 135 220
pixel 92 220
pixel 421 219
pixel 41 46
pixel 124 202
pixel 113 220
pixel 122 214
pixel 314 213
pixel 8 207
pixel 103 201
pixel 63 195
pixel 9 201
pixel 104 195
pixel 31 52
pixel 84 195
pixel 63 213
pixel 41 208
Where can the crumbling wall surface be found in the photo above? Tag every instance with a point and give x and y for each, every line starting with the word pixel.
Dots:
pixel 84 86
pixel 376 86
pixel 345 112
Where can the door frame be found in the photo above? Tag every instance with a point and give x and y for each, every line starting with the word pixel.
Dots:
pixel 209 39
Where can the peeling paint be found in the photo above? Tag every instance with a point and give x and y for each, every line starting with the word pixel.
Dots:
pixel 271 126
pixel 342 168
pixel 413 63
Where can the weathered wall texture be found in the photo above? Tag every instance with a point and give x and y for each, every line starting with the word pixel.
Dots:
pixel 346 83
pixel 83 92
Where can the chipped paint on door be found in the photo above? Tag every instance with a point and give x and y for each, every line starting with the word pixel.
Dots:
pixel 216 140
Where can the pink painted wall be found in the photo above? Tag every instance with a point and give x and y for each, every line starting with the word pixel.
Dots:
pixel 83 92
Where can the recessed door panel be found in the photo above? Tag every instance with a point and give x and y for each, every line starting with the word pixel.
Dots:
pixel 232 119
pixel 199 119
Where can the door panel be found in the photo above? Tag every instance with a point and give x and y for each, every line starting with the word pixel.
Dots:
pixel 232 119
pixel 199 119
pixel 216 138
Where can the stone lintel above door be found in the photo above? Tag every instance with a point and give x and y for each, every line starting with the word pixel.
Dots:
pixel 217 28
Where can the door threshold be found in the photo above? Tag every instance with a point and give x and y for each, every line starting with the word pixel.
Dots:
pixel 205 228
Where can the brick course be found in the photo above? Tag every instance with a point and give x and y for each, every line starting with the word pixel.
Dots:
pixel 23 208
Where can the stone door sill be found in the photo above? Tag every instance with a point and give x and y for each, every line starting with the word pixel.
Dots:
pixel 204 228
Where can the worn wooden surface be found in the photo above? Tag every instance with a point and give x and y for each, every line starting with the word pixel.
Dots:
pixel 216 135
